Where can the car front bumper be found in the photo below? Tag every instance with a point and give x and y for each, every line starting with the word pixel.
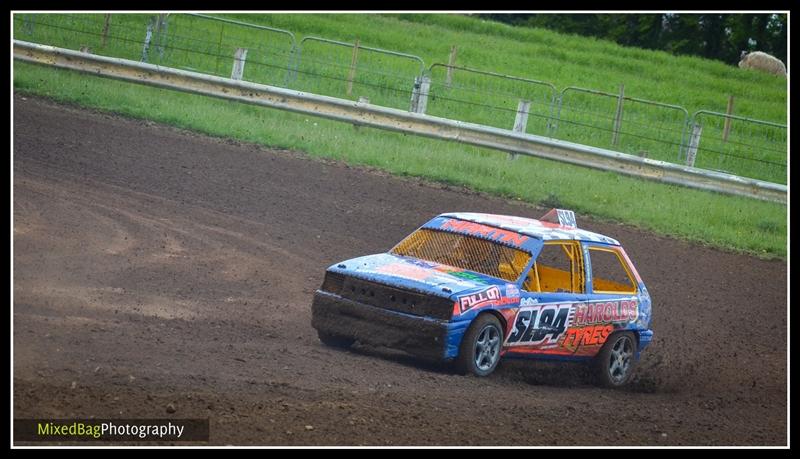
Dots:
pixel 421 336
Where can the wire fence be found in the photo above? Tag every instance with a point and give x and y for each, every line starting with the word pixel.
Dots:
pixel 740 145
pixel 352 71
pixel 260 54
pixel 270 52
pixel 491 99
pixel 615 121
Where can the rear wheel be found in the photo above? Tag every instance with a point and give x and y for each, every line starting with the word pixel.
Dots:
pixel 480 348
pixel 615 363
pixel 335 340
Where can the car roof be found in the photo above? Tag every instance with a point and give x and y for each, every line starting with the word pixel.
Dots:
pixel 543 230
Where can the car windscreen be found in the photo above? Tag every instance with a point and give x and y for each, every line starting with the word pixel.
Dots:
pixel 465 252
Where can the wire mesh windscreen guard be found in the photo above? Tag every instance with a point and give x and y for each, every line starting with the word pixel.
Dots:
pixel 465 252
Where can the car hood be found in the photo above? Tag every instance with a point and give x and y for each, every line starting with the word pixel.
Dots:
pixel 421 275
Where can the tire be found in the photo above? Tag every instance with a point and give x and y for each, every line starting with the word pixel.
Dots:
pixel 616 361
pixel 335 340
pixel 479 353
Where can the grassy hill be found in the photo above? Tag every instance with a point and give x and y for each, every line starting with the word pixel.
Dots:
pixel 562 59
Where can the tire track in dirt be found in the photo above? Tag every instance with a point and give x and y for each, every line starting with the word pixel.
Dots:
pixel 156 266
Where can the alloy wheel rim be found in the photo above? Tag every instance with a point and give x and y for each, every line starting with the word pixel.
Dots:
pixel 620 359
pixel 487 348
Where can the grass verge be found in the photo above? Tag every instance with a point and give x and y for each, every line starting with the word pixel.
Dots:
pixel 655 131
pixel 722 221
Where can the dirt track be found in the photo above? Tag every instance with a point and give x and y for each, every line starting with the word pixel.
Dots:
pixel 154 266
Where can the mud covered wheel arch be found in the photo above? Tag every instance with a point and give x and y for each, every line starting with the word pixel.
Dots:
pixel 615 364
pixel 479 352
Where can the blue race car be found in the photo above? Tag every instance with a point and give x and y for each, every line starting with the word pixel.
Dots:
pixel 472 288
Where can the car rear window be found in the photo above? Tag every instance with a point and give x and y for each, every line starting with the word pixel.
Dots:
pixel 465 252
pixel 609 272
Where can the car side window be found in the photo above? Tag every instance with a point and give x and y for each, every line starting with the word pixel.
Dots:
pixel 558 268
pixel 610 273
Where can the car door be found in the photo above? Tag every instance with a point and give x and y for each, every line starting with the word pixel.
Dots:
pixel 611 303
pixel 555 285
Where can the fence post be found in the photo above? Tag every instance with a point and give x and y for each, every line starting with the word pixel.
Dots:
pixel 147 37
pixel 424 89
pixel 161 33
pixel 415 95
pixel 106 23
pixel 729 111
pixel 683 147
pixel 352 73
pixel 238 63
pixel 450 63
pixel 419 95
pixel 694 144
pixel 361 101
pixel 521 121
pixel 618 116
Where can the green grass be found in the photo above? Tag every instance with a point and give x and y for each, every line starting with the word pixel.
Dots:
pixel 563 60
pixel 572 61
pixel 719 220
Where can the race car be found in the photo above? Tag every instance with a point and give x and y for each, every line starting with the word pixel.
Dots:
pixel 472 288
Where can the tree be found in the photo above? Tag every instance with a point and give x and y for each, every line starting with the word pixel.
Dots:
pixel 713 36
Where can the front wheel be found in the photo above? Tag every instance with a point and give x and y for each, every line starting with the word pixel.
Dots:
pixel 615 363
pixel 480 347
